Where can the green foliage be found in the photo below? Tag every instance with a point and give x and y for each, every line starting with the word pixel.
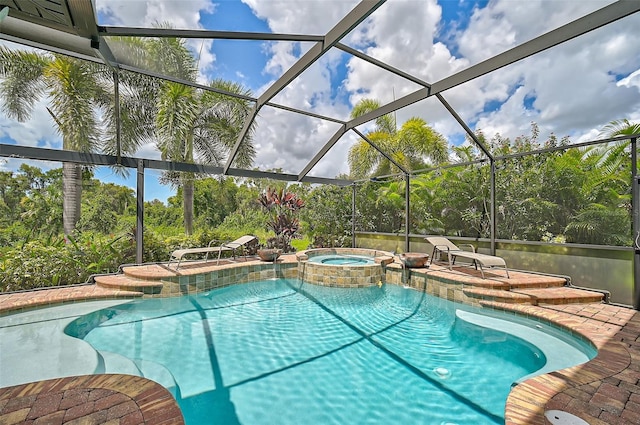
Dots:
pixel 576 195
pixel 54 262
pixel 214 199
pixel 328 215
pixel 163 218
pixel 546 196
pixel 300 244
pixel 380 206
pixel 282 216
pixel 408 148
pixel 597 224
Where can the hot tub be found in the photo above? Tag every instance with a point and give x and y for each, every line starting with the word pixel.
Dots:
pixel 344 267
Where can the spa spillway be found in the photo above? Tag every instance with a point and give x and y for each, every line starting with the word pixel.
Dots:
pixel 345 267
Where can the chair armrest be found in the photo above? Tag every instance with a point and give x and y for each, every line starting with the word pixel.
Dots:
pixel 216 241
pixel 439 248
pixel 473 248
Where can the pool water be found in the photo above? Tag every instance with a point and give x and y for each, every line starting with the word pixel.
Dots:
pixel 282 352
pixel 342 260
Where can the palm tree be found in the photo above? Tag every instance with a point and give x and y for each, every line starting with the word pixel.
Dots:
pixel 195 125
pixel 409 146
pixel 79 93
pixel 201 126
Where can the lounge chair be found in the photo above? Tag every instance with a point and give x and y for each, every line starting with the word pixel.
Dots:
pixel 232 246
pixel 442 244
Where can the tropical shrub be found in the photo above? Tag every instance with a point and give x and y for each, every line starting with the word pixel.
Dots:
pixel 56 262
pixel 283 208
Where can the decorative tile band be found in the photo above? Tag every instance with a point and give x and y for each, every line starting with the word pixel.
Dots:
pixel 202 282
pixel 433 285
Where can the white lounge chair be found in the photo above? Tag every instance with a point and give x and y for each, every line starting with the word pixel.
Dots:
pixel 442 244
pixel 239 243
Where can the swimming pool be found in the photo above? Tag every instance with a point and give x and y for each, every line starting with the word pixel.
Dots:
pixel 285 352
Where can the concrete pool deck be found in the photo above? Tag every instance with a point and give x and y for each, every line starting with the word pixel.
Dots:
pixel 605 390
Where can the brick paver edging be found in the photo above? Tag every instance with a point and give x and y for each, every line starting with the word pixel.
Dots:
pixel 92 399
pixel 603 391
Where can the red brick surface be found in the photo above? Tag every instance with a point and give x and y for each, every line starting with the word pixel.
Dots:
pixel 94 400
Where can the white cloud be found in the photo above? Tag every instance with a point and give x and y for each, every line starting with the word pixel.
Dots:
pixel 576 87
pixel 301 17
pixel 401 34
pixel 37 131
pixel 570 82
pixel 179 14
pixel 148 151
pixel 632 80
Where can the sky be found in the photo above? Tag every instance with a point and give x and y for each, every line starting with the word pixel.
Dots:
pixel 570 90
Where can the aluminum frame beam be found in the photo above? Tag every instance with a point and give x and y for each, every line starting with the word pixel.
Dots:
pixel 248 122
pixel 418 81
pixel 336 136
pixel 109 31
pixel 376 147
pixel 86 158
pixel 301 112
pixel 635 221
pixel 464 125
pixel 35 35
pixel 335 34
pixel 380 64
pixel 576 28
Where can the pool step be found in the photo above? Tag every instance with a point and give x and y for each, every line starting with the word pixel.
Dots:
pixel 117 363
pixel 126 283
pixel 536 281
pixel 149 271
pixel 563 295
pixel 499 295
pixel 158 373
pixel 490 284
pixel 536 296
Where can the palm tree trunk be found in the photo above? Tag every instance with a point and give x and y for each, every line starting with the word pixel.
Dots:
pixel 71 196
pixel 187 200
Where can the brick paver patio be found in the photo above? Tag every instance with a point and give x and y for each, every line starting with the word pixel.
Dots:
pixel 89 400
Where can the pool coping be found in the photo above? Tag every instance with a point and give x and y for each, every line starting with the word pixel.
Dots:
pixel 94 399
pixel 605 390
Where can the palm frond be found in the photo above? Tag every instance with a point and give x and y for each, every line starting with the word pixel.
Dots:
pixel 621 127
pixel 23 84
